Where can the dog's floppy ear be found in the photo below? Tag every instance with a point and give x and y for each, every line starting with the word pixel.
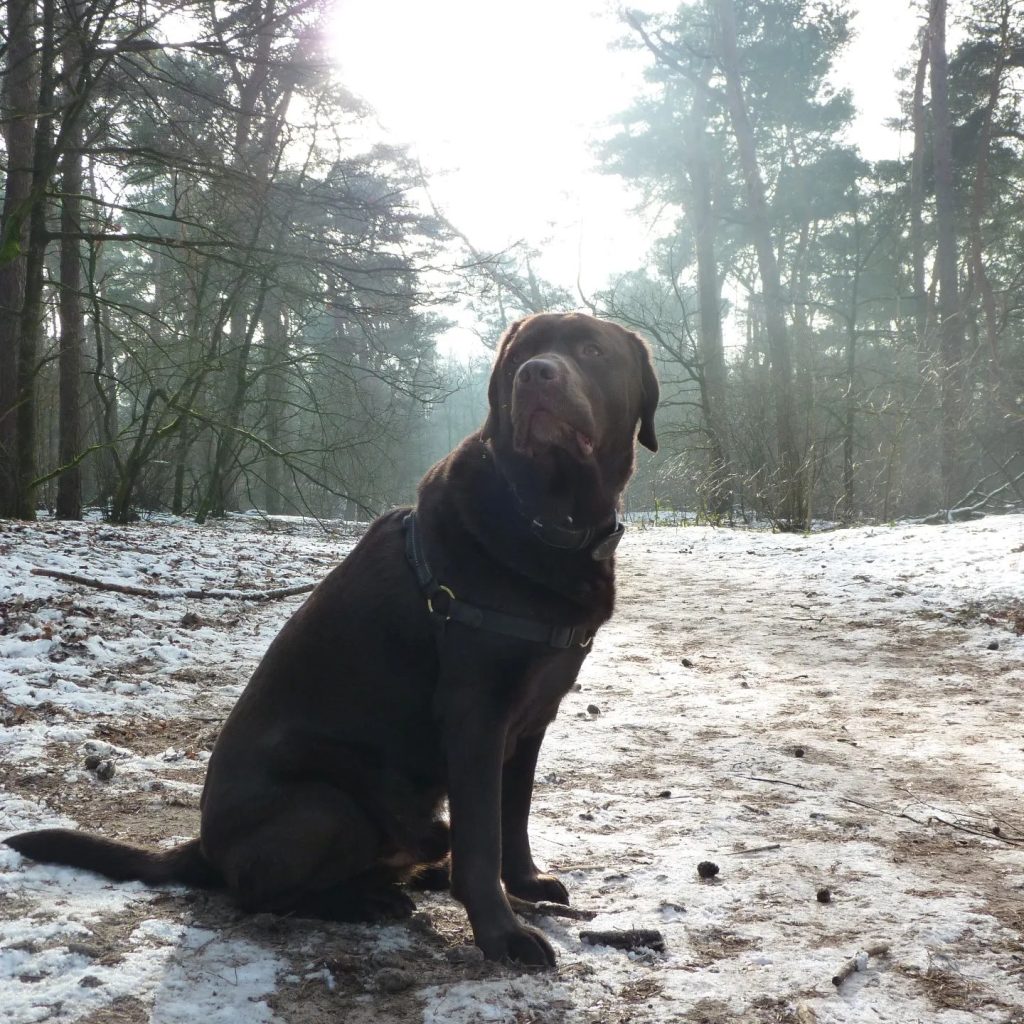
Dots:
pixel 651 392
pixel 490 427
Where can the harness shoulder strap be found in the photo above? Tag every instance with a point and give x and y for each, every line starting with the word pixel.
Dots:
pixel 445 606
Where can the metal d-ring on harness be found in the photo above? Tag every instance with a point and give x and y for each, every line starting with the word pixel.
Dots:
pixel 446 607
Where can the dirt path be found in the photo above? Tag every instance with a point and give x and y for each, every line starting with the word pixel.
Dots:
pixel 806 712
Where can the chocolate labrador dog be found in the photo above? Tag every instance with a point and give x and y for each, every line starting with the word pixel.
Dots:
pixel 428 665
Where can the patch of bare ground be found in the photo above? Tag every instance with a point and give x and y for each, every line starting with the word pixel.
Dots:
pixel 707 945
pixel 122 1010
pixel 155 735
pixel 762 1010
pixel 946 987
pixel 641 990
pixel 17 714
pixel 1004 614
pixel 105 940
pixel 338 975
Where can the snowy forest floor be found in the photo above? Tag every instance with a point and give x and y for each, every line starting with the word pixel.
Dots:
pixel 842 710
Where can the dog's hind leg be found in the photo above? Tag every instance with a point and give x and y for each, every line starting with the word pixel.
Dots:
pixel 371 896
pixel 432 877
pixel 316 849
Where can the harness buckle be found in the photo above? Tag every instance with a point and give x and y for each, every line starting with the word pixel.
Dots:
pixel 430 601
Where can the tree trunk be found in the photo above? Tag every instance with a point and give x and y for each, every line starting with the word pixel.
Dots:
pixel 979 197
pixel 275 353
pixel 72 326
pixel 917 197
pixel 18 108
pixel 35 259
pixel 255 155
pixel 181 457
pixel 850 400
pixel 791 507
pixel 69 484
pixel 951 322
pixel 712 356
pixel 226 451
pixel 102 375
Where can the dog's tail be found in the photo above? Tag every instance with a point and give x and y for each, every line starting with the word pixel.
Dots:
pixel 123 863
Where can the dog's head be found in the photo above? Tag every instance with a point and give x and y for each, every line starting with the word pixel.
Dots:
pixel 571 390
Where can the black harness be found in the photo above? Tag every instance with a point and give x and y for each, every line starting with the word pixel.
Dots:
pixel 446 607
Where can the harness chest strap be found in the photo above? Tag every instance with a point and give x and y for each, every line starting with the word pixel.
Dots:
pixel 444 605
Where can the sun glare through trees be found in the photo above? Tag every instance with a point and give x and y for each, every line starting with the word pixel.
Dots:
pixel 249 250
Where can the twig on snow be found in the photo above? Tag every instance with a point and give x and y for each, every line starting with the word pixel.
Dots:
pixel 934 819
pixel 756 849
pixel 776 782
pixel 125 588
pixel 860 962
pixel 543 908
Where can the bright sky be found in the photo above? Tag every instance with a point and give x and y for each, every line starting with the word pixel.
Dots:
pixel 502 103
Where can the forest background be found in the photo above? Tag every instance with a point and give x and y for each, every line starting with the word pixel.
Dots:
pixel 221 288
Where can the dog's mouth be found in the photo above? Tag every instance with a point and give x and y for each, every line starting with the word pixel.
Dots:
pixel 540 429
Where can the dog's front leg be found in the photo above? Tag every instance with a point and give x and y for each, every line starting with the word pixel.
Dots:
pixel 475 744
pixel 518 871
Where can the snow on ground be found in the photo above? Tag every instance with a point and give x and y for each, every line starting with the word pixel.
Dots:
pixel 841 710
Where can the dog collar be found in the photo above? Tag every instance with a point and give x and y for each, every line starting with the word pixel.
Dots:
pixel 602 544
pixel 567 538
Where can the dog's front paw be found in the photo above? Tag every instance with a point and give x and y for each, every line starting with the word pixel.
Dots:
pixel 538 888
pixel 523 945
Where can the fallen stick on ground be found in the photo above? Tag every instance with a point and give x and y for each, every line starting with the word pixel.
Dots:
pixel 774 782
pixel 125 588
pixel 542 908
pixel 631 938
pixel 860 962
pixel 756 849
pixel 934 819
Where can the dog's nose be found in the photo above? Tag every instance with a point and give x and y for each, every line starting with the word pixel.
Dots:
pixel 538 371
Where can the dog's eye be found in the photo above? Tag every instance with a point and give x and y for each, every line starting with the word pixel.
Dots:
pixel 590 349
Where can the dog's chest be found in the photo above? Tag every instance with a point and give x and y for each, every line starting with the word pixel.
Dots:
pixel 538 692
